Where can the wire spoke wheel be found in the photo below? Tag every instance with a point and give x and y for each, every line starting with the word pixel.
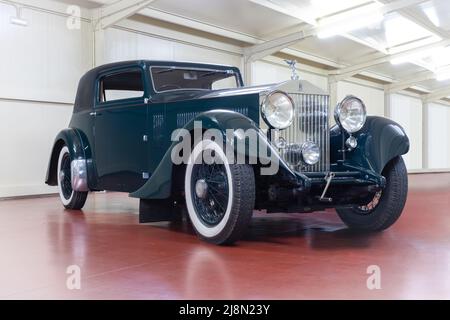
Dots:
pixel 210 192
pixel 220 196
pixel 384 207
pixel 369 207
pixel 65 177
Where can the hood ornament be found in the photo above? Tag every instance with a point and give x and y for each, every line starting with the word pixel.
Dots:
pixel 292 66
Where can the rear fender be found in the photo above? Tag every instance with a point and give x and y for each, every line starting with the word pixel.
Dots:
pixel 80 153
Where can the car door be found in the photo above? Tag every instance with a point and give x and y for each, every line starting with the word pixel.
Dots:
pixel 121 156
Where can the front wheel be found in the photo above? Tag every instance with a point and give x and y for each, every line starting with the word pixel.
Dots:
pixel 71 199
pixel 386 206
pixel 220 197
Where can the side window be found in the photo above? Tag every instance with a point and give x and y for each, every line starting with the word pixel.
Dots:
pixel 122 85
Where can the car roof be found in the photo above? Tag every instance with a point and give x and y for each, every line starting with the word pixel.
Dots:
pixel 166 63
pixel 86 87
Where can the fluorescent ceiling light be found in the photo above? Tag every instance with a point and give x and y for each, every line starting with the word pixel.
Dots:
pixel 432 15
pixel 345 22
pixel 18 21
pixel 350 25
pixel 442 74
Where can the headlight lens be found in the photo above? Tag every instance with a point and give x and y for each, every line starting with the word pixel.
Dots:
pixel 278 110
pixel 351 114
pixel 310 153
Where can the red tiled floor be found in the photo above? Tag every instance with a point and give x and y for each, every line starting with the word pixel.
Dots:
pixel 283 256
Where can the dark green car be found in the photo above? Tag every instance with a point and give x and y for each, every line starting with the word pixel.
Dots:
pixel 189 137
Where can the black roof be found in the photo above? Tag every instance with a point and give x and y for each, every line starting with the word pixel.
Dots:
pixel 86 88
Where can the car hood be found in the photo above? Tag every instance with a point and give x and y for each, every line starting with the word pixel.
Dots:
pixel 292 86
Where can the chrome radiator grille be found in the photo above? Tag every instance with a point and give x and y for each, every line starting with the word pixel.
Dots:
pixel 310 124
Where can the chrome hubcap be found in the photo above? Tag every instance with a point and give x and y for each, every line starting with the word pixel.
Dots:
pixel 61 176
pixel 201 188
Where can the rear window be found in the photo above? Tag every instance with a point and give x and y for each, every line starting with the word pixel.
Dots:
pixel 170 78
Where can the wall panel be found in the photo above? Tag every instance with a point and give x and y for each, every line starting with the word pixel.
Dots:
pixel 127 45
pixel 266 72
pixel 439 136
pixel 407 111
pixel 44 60
pixel 372 97
pixel 27 132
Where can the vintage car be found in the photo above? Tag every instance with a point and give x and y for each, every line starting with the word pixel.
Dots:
pixel 121 138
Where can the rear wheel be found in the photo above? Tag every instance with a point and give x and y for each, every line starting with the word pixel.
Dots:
pixel 70 199
pixel 386 206
pixel 220 197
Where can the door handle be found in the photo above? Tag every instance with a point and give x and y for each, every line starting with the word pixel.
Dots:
pixel 95 113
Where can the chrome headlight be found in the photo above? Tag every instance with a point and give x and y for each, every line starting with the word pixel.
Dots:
pixel 278 110
pixel 310 153
pixel 351 114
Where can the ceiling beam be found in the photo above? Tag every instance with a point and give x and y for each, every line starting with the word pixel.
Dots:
pixel 411 14
pixel 47 6
pixel 436 95
pixel 399 5
pixel 231 34
pixel 272 46
pixel 346 72
pixel 110 14
pixel 197 25
pixel 227 33
pixel 259 51
pixel 410 81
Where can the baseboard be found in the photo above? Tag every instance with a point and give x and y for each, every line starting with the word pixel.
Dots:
pixel 419 171
pixel 35 196
pixel 14 191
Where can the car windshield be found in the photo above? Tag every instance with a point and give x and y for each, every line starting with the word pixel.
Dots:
pixel 172 78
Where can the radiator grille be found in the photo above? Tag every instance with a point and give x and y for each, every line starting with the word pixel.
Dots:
pixel 310 124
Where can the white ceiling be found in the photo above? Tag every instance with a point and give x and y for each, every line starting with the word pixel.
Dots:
pixel 238 15
pixel 269 19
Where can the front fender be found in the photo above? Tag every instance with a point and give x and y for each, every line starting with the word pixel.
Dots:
pixel 379 141
pixel 159 186
pixel 78 149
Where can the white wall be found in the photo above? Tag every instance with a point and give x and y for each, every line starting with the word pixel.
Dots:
pixel 128 45
pixel 41 62
pixel 373 98
pixel 266 72
pixel 439 136
pixel 407 111
pixel 27 131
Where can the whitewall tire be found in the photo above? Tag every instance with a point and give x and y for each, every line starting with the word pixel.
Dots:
pixel 386 206
pixel 70 199
pixel 220 197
